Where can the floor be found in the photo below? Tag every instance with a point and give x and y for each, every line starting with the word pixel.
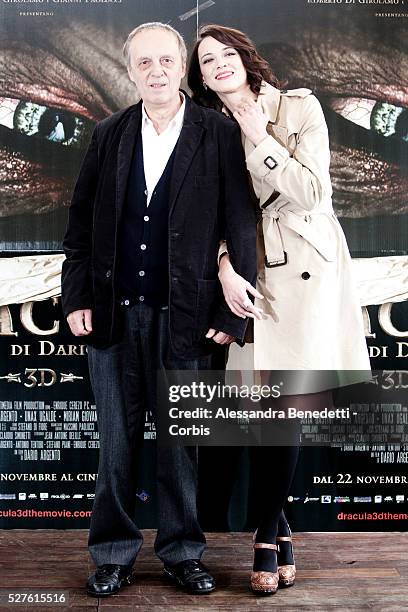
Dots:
pixel 336 571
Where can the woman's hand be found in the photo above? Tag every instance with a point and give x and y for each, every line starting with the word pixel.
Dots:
pixel 236 289
pixel 252 121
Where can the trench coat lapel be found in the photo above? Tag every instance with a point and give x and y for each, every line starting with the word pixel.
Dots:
pixel 187 145
pixel 269 101
pixel 126 147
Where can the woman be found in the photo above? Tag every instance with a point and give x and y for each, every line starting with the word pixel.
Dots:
pixel 310 318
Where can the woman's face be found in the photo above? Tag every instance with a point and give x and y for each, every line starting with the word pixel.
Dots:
pixel 221 67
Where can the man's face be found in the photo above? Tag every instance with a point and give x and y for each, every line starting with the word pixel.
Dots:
pixel 156 66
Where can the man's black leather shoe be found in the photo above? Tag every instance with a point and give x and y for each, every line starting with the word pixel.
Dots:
pixel 192 575
pixel 108 579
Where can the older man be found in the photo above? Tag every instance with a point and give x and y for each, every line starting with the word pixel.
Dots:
pixel 162 182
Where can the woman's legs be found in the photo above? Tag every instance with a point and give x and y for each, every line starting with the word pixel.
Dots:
pixel 282 462
pixel 285 554
pixel 276 466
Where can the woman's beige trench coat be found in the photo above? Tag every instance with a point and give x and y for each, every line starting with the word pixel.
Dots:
pixel 313 318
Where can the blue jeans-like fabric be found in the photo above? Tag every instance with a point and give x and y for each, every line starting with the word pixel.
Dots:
pixel 123 379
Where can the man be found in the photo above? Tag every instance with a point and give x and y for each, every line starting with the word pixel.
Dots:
pixel 162 182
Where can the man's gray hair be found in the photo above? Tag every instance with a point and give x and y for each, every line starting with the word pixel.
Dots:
pixel 155 25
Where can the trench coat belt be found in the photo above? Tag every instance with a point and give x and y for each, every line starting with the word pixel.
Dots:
pixel 301 222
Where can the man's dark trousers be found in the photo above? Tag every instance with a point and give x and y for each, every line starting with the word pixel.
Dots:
pixel 124 381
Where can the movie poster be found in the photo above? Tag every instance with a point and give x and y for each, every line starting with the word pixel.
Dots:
pixel 61 72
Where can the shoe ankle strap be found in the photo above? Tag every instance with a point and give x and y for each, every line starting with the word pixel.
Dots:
pixel 264 545
pixel 283 538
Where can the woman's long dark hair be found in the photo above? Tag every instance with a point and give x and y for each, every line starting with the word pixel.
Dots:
pixel 256 67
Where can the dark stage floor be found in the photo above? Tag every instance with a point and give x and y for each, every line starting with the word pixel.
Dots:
pixel 353 571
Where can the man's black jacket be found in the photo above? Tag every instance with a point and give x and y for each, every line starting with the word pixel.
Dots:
pixel 209 200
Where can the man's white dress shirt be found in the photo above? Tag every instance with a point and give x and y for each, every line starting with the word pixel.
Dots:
pixel 157 148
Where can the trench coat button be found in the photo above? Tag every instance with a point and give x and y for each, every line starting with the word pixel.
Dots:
pixel 305 275
pixel 108 274
pixel 270 162
pixel 146 218
pixel 126 302
pixel 141 298
pixel 143 247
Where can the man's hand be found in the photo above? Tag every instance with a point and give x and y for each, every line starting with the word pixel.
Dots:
pixel 80 322
pixel 219 337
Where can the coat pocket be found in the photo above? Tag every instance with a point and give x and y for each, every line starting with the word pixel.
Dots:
pixel 205 305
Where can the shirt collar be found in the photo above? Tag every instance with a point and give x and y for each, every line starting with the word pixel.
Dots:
pixel 175 123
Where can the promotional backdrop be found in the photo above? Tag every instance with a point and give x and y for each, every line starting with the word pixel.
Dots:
pixel 61 70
